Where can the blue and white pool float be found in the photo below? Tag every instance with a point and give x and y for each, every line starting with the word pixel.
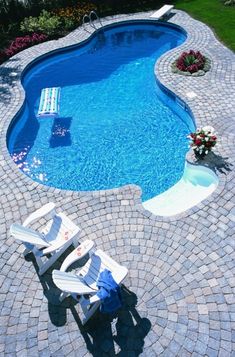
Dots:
pixel 49 102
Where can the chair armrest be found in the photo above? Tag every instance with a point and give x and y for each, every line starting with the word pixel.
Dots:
pixel 77 254
pixel 28 235
pixel 44 210
pixel 93 299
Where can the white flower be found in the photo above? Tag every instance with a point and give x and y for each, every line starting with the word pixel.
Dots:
pixel 208 128
pixel 206 152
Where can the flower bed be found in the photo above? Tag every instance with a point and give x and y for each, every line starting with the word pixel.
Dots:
pixel 72 16
pixel 20 43
pixel 191 63
pixel 48 25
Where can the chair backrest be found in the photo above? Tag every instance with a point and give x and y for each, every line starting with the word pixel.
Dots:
pixel 98 262
pixel 28 235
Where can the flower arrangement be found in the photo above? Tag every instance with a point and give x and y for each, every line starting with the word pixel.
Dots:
pixel 189 63
pixel 203 140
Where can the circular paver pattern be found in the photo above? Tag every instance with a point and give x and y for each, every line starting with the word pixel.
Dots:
pixel 179 293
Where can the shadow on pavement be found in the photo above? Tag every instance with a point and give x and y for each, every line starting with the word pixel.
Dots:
pixel 120 334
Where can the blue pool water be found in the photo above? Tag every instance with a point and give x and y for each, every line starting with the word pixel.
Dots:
pixel 115 126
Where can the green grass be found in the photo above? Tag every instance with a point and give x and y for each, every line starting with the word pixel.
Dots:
pixel 220 18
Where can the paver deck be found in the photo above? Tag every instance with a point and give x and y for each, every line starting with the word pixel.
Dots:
pixel 181 269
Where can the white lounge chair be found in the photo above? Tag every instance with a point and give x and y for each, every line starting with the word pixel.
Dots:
pixel 163 11
pixel 57 235
pixel 84 283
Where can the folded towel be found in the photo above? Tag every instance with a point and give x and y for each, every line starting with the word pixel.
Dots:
pixel 109 292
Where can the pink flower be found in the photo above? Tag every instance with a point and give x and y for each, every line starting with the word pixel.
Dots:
pixel 20 43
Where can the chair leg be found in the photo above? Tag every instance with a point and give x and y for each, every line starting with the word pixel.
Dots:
pixel 43 267
pixel 26 251
pixel 87 309
pixel 63 295
pixel 75 240
pixel 28 248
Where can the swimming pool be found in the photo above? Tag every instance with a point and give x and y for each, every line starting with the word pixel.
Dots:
pixel 115 126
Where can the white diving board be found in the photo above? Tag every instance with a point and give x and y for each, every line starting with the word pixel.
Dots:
pixel 49 102
pixel 164 10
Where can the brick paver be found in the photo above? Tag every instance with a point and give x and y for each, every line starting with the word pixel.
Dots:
pixel 180 298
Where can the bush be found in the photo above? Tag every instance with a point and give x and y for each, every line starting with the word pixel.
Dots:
pixel 46 23
pixel 20 43
pixel 72 16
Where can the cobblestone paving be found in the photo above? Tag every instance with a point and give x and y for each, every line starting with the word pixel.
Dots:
pixel 180 297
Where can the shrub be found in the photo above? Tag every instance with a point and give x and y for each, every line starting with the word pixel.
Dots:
pixel 20 43
pixel 72 15
pixel 46 23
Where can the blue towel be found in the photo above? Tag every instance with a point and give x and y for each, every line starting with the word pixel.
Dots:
pixel 109 292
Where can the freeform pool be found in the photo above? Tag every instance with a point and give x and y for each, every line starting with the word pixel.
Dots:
pixel 114 127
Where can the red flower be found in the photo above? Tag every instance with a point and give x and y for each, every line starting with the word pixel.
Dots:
pixel 198 142
pixel 190 61
pixel 20 43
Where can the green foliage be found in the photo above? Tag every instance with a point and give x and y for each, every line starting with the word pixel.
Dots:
pixel 69 24
pixel 45 23
pixel 190 60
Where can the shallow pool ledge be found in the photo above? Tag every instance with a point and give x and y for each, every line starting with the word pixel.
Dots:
pixel 196 184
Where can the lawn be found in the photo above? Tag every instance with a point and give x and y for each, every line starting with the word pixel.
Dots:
pixel 220 18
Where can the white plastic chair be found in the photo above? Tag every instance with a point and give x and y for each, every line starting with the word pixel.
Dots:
pixel 48 245
pixel 84 283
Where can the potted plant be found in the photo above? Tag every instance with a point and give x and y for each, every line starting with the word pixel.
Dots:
pixel 202 141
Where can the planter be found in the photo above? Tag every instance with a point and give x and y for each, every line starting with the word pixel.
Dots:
pixel 191 64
